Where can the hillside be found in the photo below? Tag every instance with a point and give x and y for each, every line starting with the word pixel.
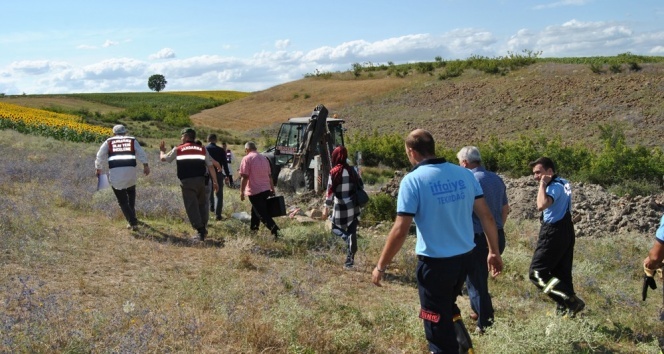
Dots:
pixel 560 99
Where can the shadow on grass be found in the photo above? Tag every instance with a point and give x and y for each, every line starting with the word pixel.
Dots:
pixel 147 232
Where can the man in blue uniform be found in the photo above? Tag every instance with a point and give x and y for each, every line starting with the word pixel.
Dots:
pixel 551 266
pixel 192 161
pixel 441 198
pixel 121 152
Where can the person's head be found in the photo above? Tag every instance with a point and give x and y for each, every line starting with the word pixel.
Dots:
pixel 339 155
pixel 188 134
pixel 250 146
pixel 223 145
pixel 469 157
pixel 212 138
pixel 119 130
pixel 419 146
pixel 542 166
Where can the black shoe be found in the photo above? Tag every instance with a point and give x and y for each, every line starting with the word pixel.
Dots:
pixel 575 305
pixel 218 218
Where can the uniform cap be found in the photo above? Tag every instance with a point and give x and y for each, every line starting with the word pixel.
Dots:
pixel 188 131
pixel 119 129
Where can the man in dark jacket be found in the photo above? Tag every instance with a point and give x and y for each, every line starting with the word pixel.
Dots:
pixel 219 155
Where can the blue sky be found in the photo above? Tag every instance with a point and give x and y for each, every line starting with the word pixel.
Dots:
pixel 66 46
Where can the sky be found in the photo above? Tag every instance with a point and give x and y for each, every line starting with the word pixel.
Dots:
pixel 74 46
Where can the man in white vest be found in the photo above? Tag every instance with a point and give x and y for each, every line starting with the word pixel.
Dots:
pixel 120 152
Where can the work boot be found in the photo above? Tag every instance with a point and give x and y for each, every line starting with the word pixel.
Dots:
pixel 575 305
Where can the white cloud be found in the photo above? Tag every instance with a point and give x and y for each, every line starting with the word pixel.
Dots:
pixel 86 46
pixel 166 53
pixel 282 44
pixel 268 68
pixel 577 38
pixel 109 43
pixel 657 50
pixel 36 67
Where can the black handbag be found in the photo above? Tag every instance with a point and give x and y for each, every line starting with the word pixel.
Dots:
pixel 361 198
pixel 276 206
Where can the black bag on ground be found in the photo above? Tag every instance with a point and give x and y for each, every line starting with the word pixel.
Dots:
pixel 276 206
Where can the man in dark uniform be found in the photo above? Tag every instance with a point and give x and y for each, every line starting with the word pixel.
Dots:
pixel 219 155
pixel 192 162
pixel 551 266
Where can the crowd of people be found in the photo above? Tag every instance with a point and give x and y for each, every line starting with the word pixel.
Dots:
pixel 460 212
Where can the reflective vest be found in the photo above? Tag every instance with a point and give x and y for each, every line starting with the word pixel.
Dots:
pixel 190 160
pixel 121 152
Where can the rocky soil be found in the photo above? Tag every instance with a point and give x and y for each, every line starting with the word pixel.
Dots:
pixel 596 212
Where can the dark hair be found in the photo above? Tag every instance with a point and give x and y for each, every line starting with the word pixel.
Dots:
pixel 212 138
pixel 546 162
pixel 421 141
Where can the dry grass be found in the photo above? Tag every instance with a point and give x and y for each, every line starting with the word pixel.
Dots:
pixel 277 104
pixel 73 279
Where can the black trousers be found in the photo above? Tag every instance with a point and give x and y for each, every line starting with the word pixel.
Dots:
pixel 551 266
pixel 259 212
pixel 127 200
pixel 439 282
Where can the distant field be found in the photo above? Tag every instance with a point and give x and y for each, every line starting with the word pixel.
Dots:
pixel 68 102
pixel 215 95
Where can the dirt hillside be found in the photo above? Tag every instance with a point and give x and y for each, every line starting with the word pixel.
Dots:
pixel 561 99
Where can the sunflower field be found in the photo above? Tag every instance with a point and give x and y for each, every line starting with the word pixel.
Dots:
pixel 56 125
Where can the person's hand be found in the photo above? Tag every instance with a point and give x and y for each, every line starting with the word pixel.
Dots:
pixel 545 179
pixel 98 172
pixel 146 170
pixel 162 146
pixel 215 185
pixel 272 192
pixel 495 264
pixel 377 276
pixel 241 196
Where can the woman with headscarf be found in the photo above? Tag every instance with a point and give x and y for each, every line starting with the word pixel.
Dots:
pixel 341 187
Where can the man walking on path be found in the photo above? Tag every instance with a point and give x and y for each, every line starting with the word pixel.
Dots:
pixel 121 153
pixel 495 195
pixel 192 161
pixel 219 155
pixel 257 185
pixel 551 266
pixel 441 198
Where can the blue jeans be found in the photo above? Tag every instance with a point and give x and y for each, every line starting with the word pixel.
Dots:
pixel 219 195
pixel 477 280
pixel 350 237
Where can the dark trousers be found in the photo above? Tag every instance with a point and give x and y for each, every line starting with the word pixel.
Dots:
pixel 551 266
pixel 195 197
pixel 349 236
pixel 439 282
pixel 259 212
pixel 127 200
pixel 477 280
pixel 219 195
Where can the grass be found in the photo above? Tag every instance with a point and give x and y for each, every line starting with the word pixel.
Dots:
pixel 73 279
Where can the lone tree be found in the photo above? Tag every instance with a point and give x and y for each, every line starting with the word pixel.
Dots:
pixel 157 82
